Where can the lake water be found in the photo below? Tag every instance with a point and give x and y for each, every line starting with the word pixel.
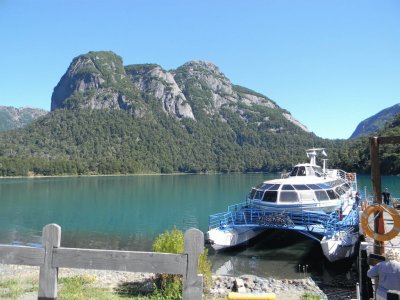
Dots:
pixel 128 212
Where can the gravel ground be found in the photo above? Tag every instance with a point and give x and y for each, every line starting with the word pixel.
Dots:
pixel 222 285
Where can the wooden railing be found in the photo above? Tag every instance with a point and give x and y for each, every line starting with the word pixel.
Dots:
pixel 51 256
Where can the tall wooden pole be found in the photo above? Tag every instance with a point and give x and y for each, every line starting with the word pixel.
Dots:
pixel 377 191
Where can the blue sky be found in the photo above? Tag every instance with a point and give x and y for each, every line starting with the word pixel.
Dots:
pixel 331 63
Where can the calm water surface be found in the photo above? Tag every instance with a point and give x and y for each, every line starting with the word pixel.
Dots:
pixel 127 212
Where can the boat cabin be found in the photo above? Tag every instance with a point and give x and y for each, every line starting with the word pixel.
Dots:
pixel 306 170
pixel 294 193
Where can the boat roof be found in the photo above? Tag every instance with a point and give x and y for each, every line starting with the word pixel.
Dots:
pixel 299 180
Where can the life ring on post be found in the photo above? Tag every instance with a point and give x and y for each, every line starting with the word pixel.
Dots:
pixel 381 237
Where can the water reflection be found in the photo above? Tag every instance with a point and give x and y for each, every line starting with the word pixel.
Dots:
pixel 288 255
pixel 273 254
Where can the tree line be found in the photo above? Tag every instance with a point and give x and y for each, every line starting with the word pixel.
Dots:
pixel 84 142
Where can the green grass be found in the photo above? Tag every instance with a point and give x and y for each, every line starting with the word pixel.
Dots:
pixel 14 288
pixel 81 287
pixel 310 296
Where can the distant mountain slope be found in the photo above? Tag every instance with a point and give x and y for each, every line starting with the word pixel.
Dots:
pixel 376 122
pixel 11 117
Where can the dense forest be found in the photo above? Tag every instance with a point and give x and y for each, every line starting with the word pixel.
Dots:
pixel 114 142
pixel 109 142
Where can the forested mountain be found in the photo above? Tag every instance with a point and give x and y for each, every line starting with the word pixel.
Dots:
pixel 108 118
pixel 376 122
pixel 390 154
pixel 11 117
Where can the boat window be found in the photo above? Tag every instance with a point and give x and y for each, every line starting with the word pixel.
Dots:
pixel 346 187
pixel 287 187
pixel 307 196
pixel 324 186
pixel 258 195
pixel 314 186
pixel 266 186
pixel 332 195
pixel 252 193
pixel 300 187
pixel 270 196
pixel 322 195
pixel 301 171
pixel 339 190
pixel 275 187
pixel 298 171
pixel 294 171
pixel 288 197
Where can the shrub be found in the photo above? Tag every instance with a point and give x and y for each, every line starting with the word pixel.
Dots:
pixel 170 286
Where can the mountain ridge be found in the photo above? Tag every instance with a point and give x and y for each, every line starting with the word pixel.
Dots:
pixel 376 122
pixel 12 117
pixel 99 80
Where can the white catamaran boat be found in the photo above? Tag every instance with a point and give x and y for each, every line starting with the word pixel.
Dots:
pixel 313 200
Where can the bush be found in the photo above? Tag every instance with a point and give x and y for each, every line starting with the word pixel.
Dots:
pixel 170 286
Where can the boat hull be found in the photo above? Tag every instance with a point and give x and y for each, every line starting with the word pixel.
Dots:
pixel 340 246
pixel 224 238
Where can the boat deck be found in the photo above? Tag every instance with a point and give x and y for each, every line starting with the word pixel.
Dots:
pixel 306 222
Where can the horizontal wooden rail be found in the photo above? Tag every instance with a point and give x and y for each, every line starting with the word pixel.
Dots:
pixel 150 262
pixel 51 256
pixel 21 255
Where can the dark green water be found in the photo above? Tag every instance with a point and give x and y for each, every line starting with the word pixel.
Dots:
pixel 127 212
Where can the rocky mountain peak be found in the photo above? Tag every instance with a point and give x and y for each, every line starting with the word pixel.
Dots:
pixel 195 90
pixel 153 80
pixel 94 80
pixel 201 66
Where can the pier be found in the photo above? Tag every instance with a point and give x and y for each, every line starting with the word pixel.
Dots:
pixel 384 223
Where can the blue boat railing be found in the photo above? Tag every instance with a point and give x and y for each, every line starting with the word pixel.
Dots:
pixel 244 215
pixel 348 223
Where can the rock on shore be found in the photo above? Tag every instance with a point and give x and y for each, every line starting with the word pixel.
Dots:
pixel 290 289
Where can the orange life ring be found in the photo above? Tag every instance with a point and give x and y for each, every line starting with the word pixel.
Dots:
pixel 374 208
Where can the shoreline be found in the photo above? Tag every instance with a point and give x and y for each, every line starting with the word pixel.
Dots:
pixel 125 175
pixel 290 289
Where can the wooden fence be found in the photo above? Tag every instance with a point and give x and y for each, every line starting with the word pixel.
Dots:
pixel 51 256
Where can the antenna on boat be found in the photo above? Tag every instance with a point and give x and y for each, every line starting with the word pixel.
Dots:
pixel 312 154
pixel 324 165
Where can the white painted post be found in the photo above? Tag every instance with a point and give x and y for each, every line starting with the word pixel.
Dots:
pixel 48 275
pixel 193 282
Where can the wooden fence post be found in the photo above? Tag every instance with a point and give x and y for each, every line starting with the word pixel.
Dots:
pixel 48 275
pixel 193 283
